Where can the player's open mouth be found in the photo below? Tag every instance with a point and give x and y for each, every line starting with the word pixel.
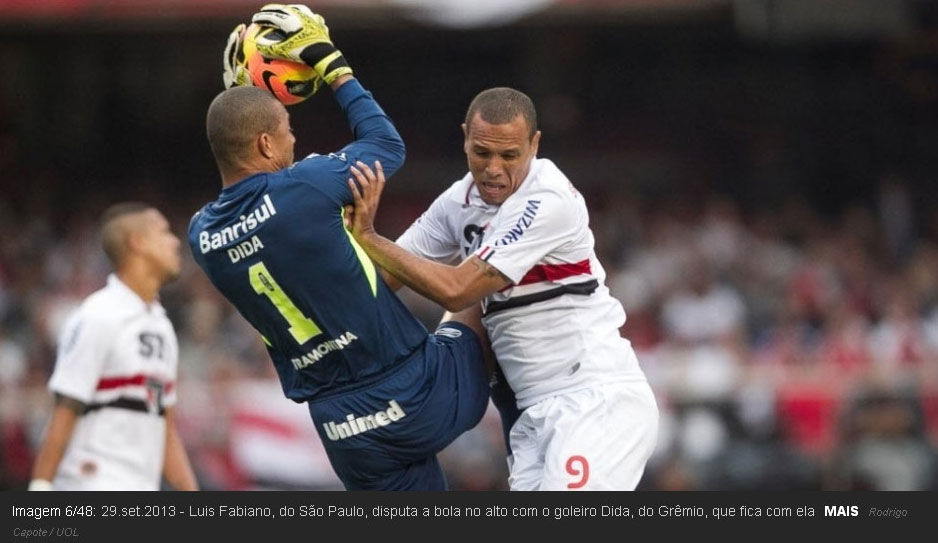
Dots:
pixel 493 188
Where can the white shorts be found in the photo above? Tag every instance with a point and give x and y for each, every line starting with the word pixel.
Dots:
pixel 592 439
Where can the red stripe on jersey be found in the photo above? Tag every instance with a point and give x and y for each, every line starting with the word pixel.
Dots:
pixel 554 272
pixel 108 383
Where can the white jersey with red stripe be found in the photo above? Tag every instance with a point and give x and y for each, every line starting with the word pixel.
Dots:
pixel 556 329
pixel 118 355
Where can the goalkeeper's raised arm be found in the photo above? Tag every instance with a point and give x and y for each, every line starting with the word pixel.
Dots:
pixel 306 39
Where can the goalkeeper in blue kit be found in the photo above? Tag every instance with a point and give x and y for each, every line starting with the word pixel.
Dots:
pixel 385 395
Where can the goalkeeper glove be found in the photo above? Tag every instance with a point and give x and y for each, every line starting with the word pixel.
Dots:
pixel 235 74
pixel 306 39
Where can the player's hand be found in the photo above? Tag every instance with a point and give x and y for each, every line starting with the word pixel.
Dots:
pixel 235 74
pixel 307 39
pixel 366 199
pixel 348 216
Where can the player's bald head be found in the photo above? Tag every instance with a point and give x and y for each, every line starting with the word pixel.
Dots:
pixel 236 117
pixel 117 224
pixel 501 105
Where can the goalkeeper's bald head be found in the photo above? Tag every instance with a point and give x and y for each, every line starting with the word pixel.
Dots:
pixel 235 119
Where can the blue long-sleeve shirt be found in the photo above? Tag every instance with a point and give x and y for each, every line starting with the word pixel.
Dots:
pixel 274 244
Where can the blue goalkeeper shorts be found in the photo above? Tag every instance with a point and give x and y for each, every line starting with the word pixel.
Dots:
pixel 386 436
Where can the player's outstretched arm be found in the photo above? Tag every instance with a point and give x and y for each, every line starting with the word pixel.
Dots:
pixel 453 287
pixel 65 415
pixel 176 467
pixel 307 40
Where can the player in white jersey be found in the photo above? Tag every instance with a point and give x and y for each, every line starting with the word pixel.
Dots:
pixel 521 232
pixel 112 427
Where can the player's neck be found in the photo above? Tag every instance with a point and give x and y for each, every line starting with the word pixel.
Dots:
pixel 144 285
pixel 239 173
pixel 232 178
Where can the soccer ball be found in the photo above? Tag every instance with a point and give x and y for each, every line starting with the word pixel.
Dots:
pixel 291 82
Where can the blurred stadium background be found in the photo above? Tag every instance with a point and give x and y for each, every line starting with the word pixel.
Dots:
pixel 761 177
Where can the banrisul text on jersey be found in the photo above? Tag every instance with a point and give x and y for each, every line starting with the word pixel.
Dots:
pixel 209 241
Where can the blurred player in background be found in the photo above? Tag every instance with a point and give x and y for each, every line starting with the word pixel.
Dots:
pixel 384 395
pixel 113 426
pixel 589 418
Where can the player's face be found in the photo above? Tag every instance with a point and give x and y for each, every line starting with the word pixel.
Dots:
pixel 283 140
pixel 161 246
pixel 499 156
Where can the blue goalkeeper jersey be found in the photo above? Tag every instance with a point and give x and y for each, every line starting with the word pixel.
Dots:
pixel 274 244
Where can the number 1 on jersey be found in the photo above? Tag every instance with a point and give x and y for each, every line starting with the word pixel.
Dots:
pixel 302 328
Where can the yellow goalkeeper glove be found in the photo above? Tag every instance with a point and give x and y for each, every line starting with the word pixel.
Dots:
pixel 305 39
pixel 235 74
